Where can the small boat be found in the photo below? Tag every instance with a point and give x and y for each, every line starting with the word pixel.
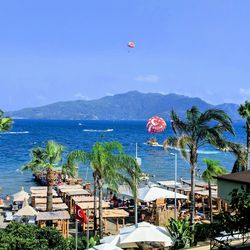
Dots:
pixel 153 142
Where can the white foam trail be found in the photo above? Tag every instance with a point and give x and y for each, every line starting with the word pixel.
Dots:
pixel 204 152
pixel 16 132
pixel 99 130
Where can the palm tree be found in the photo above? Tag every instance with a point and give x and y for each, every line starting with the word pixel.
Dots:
pixel 128 173
pixel 70 167
pixel 244 111
pixel 104 160
pixel 241 155
pixel 195 131
pixel 5 122
pixel 46 159
pixel 213 169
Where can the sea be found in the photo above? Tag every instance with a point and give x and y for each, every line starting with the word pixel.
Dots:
pixel 16 146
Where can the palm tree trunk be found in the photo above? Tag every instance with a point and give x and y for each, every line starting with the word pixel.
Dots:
pixel 100 210
pixel 50 183
pixel 136 209
pixel 95 204
pixel 210 201
pixel 192 194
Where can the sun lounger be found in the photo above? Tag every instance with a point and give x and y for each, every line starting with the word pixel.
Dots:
pixel 225 239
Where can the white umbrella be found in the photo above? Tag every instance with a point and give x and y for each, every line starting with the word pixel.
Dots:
pixel 151 193
pixel 145 232
pixel 105 246
pixel 114 241
pixel 21 195
pixel 26 210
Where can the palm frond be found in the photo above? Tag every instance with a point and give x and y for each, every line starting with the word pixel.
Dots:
pixel 185 143
pixel 171 141
pixel 177 124
pixel 219 116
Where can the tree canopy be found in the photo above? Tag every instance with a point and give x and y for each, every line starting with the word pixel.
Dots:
pixel 17 236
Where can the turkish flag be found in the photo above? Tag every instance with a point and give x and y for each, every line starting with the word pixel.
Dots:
pixel 80 215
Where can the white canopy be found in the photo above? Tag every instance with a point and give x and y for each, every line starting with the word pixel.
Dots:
pixel 151 193
pixel 26 210
pixel 143 232
pixel 21 195
pixel 114 241
pixel 105 246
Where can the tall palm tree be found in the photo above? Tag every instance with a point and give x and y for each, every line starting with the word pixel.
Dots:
pixel 128 173
pixel 241 155
pixel 244 111
pixel 5 122
pixel 104 160
pixel 198 129
pixel 213 169
pixel 46 159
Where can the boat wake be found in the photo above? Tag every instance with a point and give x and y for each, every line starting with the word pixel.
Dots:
pixel 16 132
pixel 99 130
pixel 203 152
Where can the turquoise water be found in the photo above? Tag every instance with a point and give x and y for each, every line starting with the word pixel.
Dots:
pixel 15 147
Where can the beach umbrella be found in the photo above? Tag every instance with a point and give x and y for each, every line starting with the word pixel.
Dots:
pixel 145 232
pixel 114 240
pixel 21 195
pixel 142 232
pixel 156 124
pixel 26 210
pixel 105 246
pixel 151 193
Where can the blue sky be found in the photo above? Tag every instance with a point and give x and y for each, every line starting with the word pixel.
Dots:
pixel 66 50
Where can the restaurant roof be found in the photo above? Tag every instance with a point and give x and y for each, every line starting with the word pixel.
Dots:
pixel 42 193
pixel 77 192
pixel 62 187
pixel 39 200
pixel 240 177
pixel 56 206
pixel 84 198
pixel 55 215
pixel 90 205
pixel 38 188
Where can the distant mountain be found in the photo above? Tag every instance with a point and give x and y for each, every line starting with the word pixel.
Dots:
pixel 132 105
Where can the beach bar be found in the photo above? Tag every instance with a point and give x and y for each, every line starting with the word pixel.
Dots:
pixel 60 220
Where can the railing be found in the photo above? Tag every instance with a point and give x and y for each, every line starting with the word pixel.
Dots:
pixel 225 239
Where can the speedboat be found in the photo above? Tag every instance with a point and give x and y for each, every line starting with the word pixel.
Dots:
pixel 153 142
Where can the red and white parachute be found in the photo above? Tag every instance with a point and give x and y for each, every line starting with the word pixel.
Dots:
pixel 131 45
pixel 156 125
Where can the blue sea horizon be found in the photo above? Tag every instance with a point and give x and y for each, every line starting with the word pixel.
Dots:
pixel 16 145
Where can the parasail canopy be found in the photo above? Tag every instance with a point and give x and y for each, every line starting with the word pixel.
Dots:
pixel 156 125
pixel 131 45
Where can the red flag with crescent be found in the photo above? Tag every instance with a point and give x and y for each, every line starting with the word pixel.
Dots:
pixel 80 215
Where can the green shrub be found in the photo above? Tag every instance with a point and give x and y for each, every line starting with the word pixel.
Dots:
pixel 182 232
pixel 18 236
